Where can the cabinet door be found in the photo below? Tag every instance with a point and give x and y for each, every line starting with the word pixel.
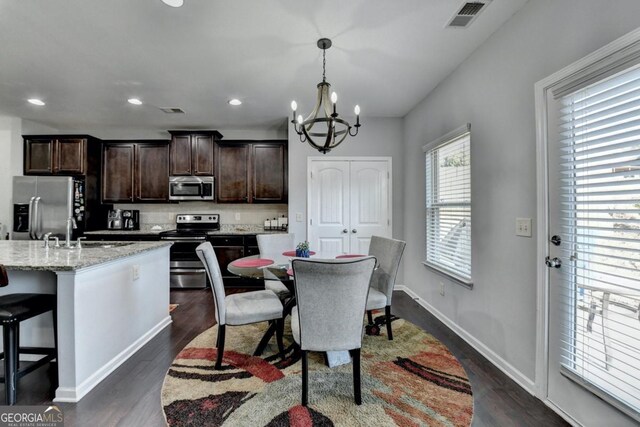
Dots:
pixel 38 157
pixel 69 156
pixel 152 172
pixel 233 178
pixel 117 173
pixel 269 173
pixel 180 155
pixel 202 146
pixel 227 254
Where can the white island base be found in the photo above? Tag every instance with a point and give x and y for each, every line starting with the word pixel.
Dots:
pixel 106 312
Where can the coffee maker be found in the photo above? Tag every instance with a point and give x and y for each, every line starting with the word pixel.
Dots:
pixel 114 219
pixel 131 219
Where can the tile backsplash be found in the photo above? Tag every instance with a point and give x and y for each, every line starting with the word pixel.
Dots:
pixel 152 214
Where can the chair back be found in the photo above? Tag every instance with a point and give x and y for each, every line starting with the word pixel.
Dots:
pixel 388 252
pixel 331 297
pixel 276 243
pixel 208 257
pixel 4 277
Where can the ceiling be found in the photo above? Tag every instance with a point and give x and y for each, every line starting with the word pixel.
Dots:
pixel 85 58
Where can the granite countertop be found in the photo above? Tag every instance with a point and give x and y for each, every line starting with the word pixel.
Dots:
pixel 31 255
pixel 239 229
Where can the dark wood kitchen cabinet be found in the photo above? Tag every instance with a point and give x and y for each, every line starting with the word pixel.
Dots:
pixel 269 173
pixel 135 172
pixel 59 155
pixel 192 152
pixel 252 172
pixel 233 172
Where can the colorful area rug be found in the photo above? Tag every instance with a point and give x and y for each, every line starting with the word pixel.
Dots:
pixel 410 381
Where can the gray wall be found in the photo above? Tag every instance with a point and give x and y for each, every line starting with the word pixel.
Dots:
pixel 377 137
pixel 10 165
pixel 494 91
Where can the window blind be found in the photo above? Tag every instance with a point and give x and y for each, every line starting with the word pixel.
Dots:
pixel 600 191
pixel 448 207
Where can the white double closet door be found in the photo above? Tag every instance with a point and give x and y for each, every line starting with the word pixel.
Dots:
pixel 349 200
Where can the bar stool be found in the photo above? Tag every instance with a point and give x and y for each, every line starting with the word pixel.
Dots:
pixel 15 308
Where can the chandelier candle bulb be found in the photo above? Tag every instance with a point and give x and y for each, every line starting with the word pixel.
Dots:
pixel 357 111
pixel 300 120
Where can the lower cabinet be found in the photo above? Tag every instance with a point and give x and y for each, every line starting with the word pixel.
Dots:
pixel 229 248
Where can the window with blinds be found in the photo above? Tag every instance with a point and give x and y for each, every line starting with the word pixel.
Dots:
pixel 600 190
pixel 448 207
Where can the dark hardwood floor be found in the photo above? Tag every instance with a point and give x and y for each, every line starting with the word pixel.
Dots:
pixel 130 396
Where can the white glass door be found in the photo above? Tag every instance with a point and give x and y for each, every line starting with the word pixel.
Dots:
pixel 594 251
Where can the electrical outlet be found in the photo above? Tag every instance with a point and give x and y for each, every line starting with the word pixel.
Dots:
pixel 299 217
pixel 135 272
pixel 237 216
pixel 441 288
pixel 523 227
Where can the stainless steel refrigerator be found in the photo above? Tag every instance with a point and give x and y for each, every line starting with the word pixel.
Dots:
pixel 43 204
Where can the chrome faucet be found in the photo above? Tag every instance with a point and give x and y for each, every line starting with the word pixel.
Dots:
pixel 71 225
pixel 46 240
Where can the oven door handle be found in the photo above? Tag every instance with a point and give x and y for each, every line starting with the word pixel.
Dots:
pixel 187 270
pixel 185 239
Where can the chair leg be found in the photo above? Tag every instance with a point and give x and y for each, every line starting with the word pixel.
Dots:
pixel 370 317
pixel 357 391
pixel 305 379
pixel 10 334
pixel 220 346
pixel 279 335
pixel 387 312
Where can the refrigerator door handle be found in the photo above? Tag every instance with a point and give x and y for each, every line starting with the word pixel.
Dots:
pixel 36 215
pixel 31 228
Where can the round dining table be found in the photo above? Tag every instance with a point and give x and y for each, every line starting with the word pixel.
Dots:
pixel 278 267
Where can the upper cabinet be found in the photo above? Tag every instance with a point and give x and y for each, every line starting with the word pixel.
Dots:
pixel 135 172
pixel 58 155
pixel 192 152
pixel 252 172
pixel 233 172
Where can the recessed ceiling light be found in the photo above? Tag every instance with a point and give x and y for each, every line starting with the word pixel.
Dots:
pixel 173 3
pixel 36 101
pixel 134 101
pixel 235 101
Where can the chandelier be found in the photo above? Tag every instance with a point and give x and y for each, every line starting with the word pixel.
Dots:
pixel 323 129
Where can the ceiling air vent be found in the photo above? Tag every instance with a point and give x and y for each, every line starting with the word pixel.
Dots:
pixel 172 110
pixel 467 13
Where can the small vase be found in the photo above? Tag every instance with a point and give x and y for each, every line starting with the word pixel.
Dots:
pixel 302 253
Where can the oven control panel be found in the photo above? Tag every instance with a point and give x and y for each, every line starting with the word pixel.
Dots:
pixel 198 218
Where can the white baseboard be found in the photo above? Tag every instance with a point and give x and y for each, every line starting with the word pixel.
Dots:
pixel 513 373
pixel 74 394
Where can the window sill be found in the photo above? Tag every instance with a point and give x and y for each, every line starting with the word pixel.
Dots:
pixel 456 279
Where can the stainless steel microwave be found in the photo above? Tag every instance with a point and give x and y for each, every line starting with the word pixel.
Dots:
pixel 191 188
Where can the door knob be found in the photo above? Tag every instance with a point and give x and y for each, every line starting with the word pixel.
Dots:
pixel 553 262
pixel 354 231
pixel 345 231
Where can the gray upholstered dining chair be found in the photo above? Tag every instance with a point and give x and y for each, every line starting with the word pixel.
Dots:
pixel 388 252
pixel 331 297
pixel 275 244
pixel 239 309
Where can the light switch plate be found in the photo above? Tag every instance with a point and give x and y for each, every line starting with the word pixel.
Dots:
pixel 299 216
pixel 135 271
pixel 523 227
pixel 237 216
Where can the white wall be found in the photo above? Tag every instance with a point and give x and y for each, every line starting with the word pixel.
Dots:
pixel 493 90
pixel 10 165
pixel 377 137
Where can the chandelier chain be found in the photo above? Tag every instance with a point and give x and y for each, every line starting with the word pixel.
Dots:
pixel 324 64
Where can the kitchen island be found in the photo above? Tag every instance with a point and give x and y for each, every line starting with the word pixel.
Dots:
pixel 112 298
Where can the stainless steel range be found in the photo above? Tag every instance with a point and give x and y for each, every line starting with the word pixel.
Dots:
pixel 186 269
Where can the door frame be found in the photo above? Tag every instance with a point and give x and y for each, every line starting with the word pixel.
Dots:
pixel 387 159
pixel 613 55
